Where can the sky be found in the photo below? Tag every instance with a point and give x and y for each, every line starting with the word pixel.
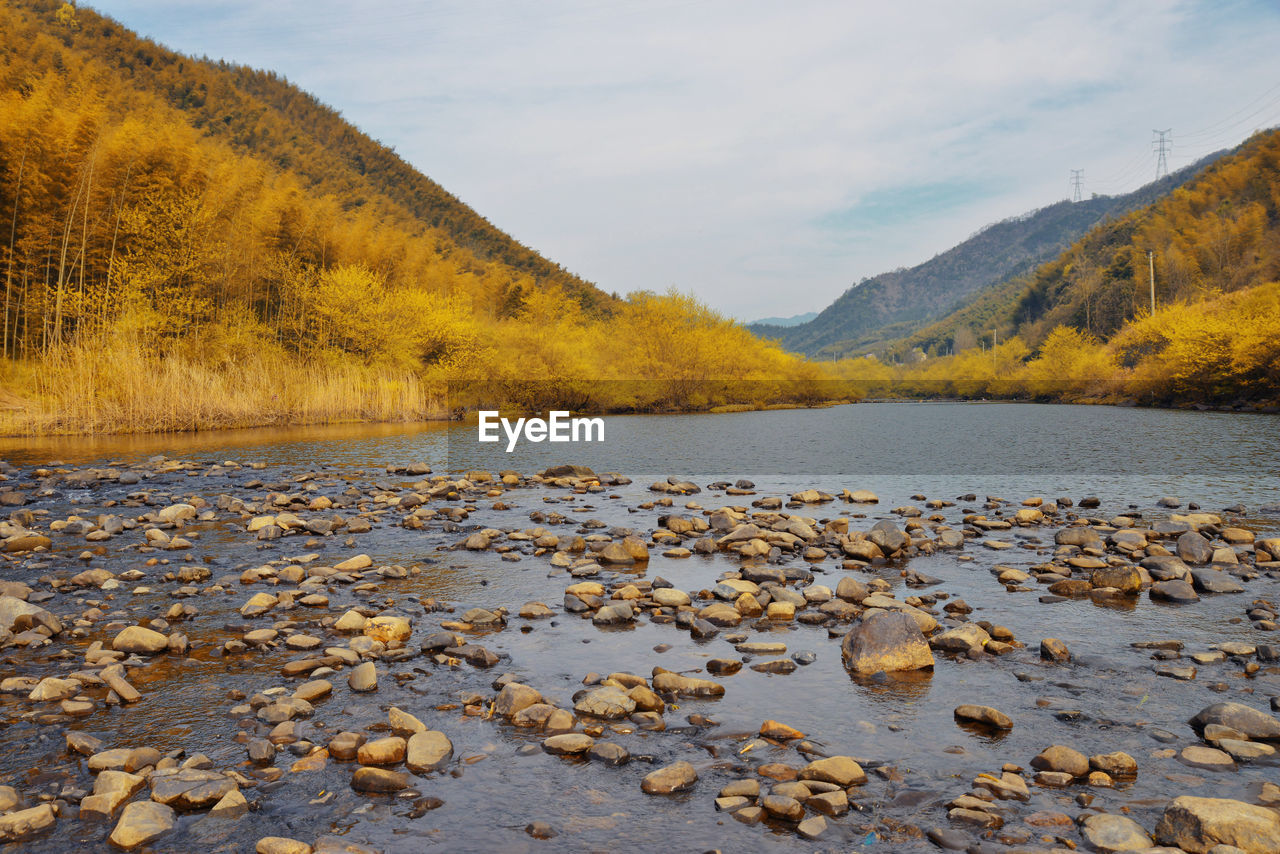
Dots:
pixel 764 156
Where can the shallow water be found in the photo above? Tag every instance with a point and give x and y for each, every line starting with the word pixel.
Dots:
pixel 493 790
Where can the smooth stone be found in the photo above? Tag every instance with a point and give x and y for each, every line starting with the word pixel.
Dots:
pixel 140 823
pixel 984 715
pixel 428 751
pixel 1198 824
pixel 672 778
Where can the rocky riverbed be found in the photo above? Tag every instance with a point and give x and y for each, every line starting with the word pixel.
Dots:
pixel 230 656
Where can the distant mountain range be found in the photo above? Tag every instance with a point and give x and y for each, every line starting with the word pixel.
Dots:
pixel 793 320
pixel 893 305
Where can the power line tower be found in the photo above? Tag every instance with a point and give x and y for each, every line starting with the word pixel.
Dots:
pixel 1162 144
pixel 1077 178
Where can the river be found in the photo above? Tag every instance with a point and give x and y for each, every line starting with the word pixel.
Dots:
pixel 1108 698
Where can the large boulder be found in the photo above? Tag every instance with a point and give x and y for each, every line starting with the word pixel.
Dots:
pixel 1198 824
pixel 886 642
pixel 888 537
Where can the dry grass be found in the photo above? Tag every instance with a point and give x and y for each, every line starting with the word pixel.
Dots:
pixel 116 386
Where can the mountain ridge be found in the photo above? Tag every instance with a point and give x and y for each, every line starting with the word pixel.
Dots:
pixel 893 304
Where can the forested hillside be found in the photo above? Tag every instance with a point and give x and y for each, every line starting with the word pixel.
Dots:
pixel 188 243
pixel 894 304
pixel 1082 326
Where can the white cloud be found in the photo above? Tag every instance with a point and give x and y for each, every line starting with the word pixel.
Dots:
pixel 716 145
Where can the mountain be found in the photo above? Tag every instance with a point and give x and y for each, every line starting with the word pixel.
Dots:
pixel 892 305
pixel 191 244
pixel 793 320
pixel 1218 232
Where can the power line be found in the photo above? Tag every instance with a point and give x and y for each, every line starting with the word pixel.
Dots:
pixel 1077 178
pixel 1162 144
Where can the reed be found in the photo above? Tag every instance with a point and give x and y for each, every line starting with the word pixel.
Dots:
pixel 115 385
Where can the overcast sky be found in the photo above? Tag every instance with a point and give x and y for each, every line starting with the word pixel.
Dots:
pixel 763 155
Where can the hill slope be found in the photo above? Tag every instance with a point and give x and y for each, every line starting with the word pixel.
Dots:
pixel 906 299
pixel 188 244
pixel 1217 233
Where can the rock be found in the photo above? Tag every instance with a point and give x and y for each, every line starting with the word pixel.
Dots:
pixel 984 715
pixel 1107 833
pixel 13 608
pixel 1215 581
pixel 1052 649
pixel 1126 579
pixel 779 731
pixel 351 564
pixel 686 686
pixel 1243 719
pixel 428 751
pixel 514 697
pixel 1208 758
pixel 110 790
pixel 1081 536
pixel 568 744
pixel 137 639
pixel 52 689
pixel 608 703
pixel 669 597
pixel 888 537
pixel 1194 548
pixel 673 778
pixel 1174 590
pixel 258 604
pixel 1059 757
pixel 189 788
pixel 24 824
pixel 783 807
pixel 843 771
pixel 812 827
pixel 382 751
pixel 960 639
pixel 1198 824
pixel 345 745
pixel 142 822
pixel 373 780
pixel 363 677
pixel 1118 764
pixel 233 805
pixel 281 845
pixel 886 642
pixel 609 753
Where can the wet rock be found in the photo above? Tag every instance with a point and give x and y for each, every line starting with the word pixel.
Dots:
pixel 779 731
pixel 1052 649
pixel 568 744
pixel 281 845
pixel 685 686
pixel 142 822
pixel 676 777
pixel 1174 590
pixel 363 677
pixel 984 715
pixel 1198 824
pixel 1246 720
pixel 136 639
pixel 1208 758
pixel 609 753
pixel 1215 581
pixel 189 788
pixel 609 703
pixel 886 642
pixel 375 780
pixel 382 751
pixel 960 639
pixel 24 824
pixel 514 697
pixel 1059 757
pixel 1126 579
pixel 1194 548
pixel 843 771
pixel 1108 833
pixel 428 751
pixel 110 790
pixel 783 807
pixel 345 745
pixel 1118 764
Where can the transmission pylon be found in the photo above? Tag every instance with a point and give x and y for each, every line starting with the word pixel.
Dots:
pixel 1162 144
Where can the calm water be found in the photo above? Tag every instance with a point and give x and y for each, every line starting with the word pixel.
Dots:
pixel 1125 456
